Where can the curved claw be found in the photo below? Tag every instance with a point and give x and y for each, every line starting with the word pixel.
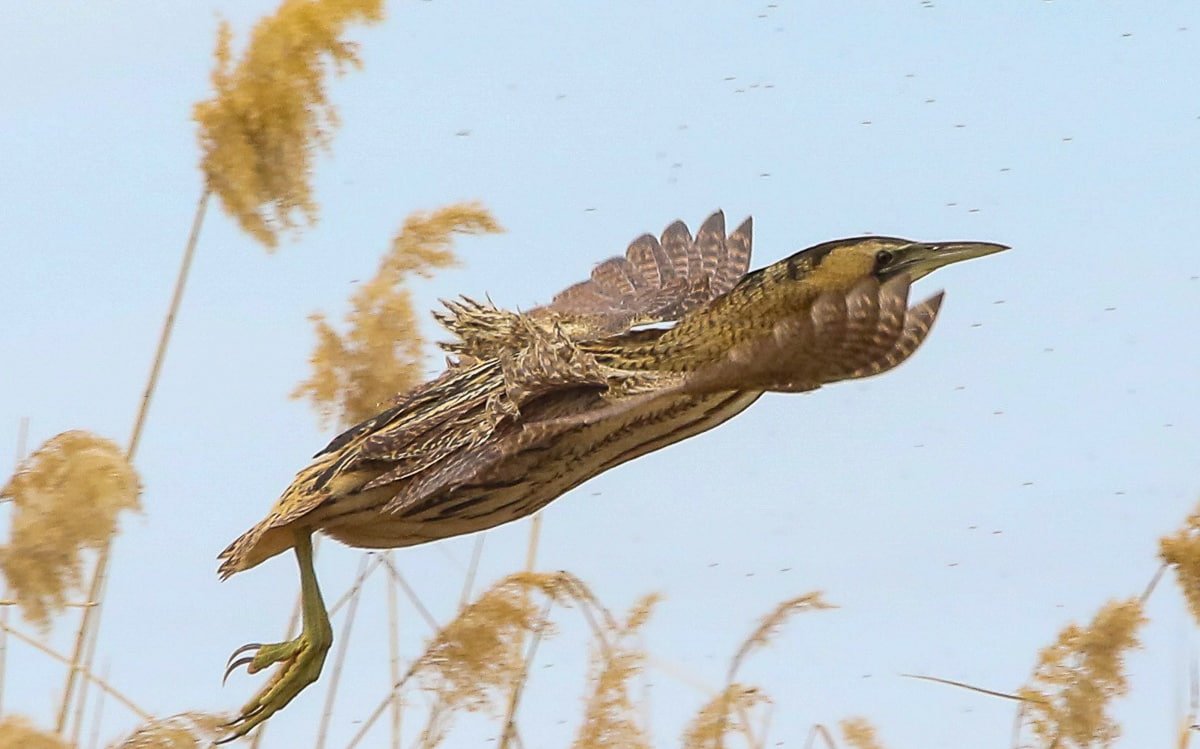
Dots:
pixel 239 720
pixel 243 649
pixel 299 664
pixel 240 726
pixel 298 660
pixel 234 666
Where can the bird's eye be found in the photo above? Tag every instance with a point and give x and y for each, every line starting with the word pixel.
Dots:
pixel 882 258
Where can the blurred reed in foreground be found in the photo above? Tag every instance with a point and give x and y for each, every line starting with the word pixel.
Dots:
pixel 271 109
pixel 66 499
pixel 382 354
pixel 1079 675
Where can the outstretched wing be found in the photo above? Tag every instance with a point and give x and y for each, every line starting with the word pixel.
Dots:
pixel 841 336
pixel 658 280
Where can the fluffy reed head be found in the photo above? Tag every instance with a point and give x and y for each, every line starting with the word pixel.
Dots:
pixel 270 110
pixel 381 352
pixel 66 498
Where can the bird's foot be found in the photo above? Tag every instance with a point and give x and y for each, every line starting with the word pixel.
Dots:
pixel 300 661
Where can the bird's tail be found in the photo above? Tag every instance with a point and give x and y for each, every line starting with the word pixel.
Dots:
pixel 253 547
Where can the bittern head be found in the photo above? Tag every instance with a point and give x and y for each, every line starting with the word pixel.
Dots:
pixel 919 259
pixel 885 257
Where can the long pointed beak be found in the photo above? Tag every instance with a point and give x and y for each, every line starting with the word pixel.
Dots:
pixel 922 258
pixel 953 252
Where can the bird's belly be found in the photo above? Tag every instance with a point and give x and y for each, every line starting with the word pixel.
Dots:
pixel 528 480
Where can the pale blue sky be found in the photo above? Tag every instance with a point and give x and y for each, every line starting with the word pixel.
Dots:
pixel 1015 475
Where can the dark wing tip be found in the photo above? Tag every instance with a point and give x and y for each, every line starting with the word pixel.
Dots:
pixel 714 223
pixel 676 227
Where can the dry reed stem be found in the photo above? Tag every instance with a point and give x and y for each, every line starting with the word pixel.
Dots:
pixel 393 620
pixel 728 712
pixel 509 733
pixel 819 731
pixel 716 718
pixel 370 562
pixel 964 685
pixel 88 675
pixel 97 716
pixel 680 674
pixel 472 570
pixel 184 731
pixel 22 439
pixel 610 716
pixel 339 660
pixel 479 652
pixel 514 697
pixel 411 594
pixel 1188 724
pixel 89 624
pixel 1067 699
pixel 531 548
pixel 343 640
pixel 270 111
pixel 472 658
pixel 16 732
pixel 382 351
pixel 770 624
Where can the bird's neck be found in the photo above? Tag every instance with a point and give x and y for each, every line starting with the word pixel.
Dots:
pixel 704 336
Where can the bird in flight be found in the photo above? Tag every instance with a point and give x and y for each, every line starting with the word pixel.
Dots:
pixel 666 342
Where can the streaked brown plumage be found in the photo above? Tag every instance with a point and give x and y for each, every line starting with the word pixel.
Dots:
pixel 535 404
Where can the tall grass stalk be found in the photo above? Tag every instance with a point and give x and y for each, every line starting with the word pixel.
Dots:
pixel 97 717
pixel 339 660
pixel 393 612
pixel 22 439
pixel 819 731
pixel 83 652
pixel 472 571
pixel 514 697
pixel 98 681
pixel 514 700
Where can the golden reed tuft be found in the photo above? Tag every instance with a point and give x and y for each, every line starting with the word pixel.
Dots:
pixel 270 109
pixel 1182 552
pixel 729 712
pixel 1066 702
pixel 66 498
pixel 184 731
pixel 16 732
pixel 477 658
pixel 480 649
pixel 610 715
pixel 860 734
pixel 381 353
pixel 772 622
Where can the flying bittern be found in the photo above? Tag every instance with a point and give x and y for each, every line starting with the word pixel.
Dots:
pixel 534 404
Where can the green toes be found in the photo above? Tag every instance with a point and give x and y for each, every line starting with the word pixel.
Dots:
pixel 299 660
pixel 269 655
